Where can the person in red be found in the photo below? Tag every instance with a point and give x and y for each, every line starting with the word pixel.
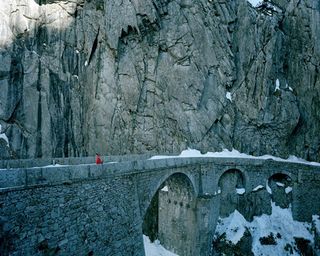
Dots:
pixel 98 159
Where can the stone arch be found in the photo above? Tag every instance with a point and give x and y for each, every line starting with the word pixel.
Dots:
pixel 161 182
pixel 279 185
pixel 231 188
pixel 171 215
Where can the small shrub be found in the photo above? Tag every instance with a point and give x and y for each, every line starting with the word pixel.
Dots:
pixel 304 246
pixel 222 246
pixel 268 240
pixel 288 248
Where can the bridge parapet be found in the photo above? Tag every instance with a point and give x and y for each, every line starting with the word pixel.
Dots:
pixel 256 169
pixel 43 162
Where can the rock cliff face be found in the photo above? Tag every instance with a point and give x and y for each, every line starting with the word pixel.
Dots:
pixel 115 77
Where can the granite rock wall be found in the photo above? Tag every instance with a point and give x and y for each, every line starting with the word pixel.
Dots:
pixel 117 77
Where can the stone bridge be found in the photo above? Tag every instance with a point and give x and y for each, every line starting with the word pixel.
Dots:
pixel 79 208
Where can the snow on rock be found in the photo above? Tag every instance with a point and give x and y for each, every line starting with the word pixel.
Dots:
pixel 257 188
pixel 49 166
pixel 165 189
pixel 277 85
pixel 53 165
pixel 280 225
pixel 155 248
pixel 228 96
pixel 268 8
pixel 288 190
pixel 217 192
pixel 240 191
pixel 234 154
pixel 289 87
pixel 279 184
pixel 234 226
pixel 268 188
pixel 254 3
pixel 294 159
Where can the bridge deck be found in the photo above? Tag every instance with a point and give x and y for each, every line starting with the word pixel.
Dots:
pixel 77 169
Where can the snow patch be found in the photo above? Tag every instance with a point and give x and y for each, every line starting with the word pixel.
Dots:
pixel 165 189
pixel 50 166
pixel 268 8
pixel 288 190
pixel 268 188
pixel 288 87
pixel 254 3
pixel 279 184
pixel 234 226
pixel 280 224
pixel 277 85
pixel 217 192
pixel 257 188
pixel 234 154
pixel 228 96
pixel 155 248
pixel 240 191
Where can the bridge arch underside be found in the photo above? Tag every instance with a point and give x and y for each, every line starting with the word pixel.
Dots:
pixel 171 215
pixel 281 186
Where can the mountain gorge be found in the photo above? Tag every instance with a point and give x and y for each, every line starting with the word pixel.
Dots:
pixel 134 76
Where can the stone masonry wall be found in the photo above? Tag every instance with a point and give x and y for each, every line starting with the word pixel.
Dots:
pixel 98 216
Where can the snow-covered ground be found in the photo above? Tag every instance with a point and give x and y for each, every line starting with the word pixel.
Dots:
pixel 155 248
pixel 234 154
pixel 279 224
pixel 254 2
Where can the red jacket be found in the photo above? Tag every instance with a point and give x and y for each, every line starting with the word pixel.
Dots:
pixel 98 159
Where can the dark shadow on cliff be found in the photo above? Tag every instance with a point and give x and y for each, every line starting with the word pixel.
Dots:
pixel 44 89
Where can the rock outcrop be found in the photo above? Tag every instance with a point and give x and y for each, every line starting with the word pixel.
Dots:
pixel 85 76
